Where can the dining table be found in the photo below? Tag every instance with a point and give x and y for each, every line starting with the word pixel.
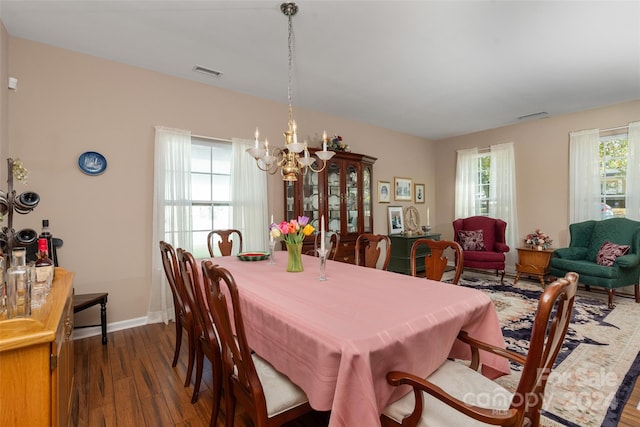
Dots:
pixel 337 338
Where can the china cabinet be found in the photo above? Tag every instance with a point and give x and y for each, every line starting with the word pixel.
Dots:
pixel 342 193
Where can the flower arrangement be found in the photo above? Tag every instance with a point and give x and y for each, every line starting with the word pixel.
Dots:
pixel 336 144
pixel 538 238
pixel 293 231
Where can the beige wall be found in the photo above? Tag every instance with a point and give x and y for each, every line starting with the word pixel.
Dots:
pixel 4 98
pixel 68 103
pixel 542 161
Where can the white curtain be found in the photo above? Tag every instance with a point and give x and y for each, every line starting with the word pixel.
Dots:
pixel 466 183
pixel 584 175
pixel 632 202
pixel 171 212
pixel 502 190
pixel 249 197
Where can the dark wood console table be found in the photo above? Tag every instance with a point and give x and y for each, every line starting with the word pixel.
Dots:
pixel 401 252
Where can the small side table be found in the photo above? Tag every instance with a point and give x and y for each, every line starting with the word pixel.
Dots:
pixel 533 262
pixel 84 301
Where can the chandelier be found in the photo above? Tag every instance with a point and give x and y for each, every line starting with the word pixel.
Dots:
pixel 293 159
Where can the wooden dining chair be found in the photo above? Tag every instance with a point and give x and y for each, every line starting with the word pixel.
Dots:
pixel 334 242
pixel 369 247
pixel 228 239
pixel 183 313
pixel 457 395
pixel 267 396
pixel 206 335
pixel 436 262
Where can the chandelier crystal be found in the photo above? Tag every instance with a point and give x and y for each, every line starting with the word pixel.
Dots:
pixel 294 158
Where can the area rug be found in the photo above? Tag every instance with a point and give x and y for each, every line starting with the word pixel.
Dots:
pixel 598 364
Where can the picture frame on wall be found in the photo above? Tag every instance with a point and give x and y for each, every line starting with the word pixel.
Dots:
pixel 396 220
pixel 384 192
pixel 419 193
pixel 402 189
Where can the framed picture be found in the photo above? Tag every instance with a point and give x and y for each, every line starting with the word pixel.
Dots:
pixel 396 221
pixel 402 189
pixel 419 192
pixel 384 192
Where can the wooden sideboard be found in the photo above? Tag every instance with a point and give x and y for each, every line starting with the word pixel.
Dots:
pixel 401 244
pixel 36 361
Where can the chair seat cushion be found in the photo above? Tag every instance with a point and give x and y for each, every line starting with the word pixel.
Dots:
pixel 280 393
pixel 462 383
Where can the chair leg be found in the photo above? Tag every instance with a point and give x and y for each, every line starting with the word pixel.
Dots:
pixel 501 276
pixel 199 363
pixel 216 367
pixel 230 405
pixel 611 295
pixel 192 355
pixel 636 291
pixel 176 353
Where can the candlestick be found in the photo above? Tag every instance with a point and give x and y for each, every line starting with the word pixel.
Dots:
pixel 266 145
pixel 322 233
pixel 257 135
pixel 324 141
pixel 295 133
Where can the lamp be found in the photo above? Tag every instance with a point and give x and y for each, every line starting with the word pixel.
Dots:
pixel 288 159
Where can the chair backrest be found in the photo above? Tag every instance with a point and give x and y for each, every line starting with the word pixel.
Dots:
pixel 493 230
pixel 226 242
pixel 369 247
pixel 171 270
pixel 436 262
pixel 191 275
pixel 240 370
pixel 548 332
pixel 334 241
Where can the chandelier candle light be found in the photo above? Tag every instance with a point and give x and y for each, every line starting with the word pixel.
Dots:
pixel 288 159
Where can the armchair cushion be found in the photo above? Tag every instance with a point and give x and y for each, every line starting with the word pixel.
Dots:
pixel 471 240
pixel 609 252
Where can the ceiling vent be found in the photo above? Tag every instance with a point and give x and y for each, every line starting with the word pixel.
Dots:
pixel 207 71
pixel 539 115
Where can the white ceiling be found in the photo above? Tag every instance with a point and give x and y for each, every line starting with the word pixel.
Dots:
pixel 427 68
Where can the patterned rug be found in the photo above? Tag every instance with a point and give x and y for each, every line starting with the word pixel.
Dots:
pixel 600 359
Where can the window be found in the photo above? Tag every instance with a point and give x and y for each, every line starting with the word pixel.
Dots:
pixel 210 190
pixel 613 174
pixel 484 185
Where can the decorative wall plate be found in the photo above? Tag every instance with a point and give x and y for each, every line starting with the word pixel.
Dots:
pixel 92 163
pixel 411 219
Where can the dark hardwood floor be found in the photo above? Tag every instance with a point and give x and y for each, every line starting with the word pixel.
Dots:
pixel 130 383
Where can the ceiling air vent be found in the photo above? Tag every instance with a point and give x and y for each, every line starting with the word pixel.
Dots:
pixel 207 71
pixel 539 115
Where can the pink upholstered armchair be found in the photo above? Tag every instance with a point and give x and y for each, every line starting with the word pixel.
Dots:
pixel 483 242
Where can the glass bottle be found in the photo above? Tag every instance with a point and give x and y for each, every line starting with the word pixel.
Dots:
pixel 44 266
pixel 46 234
pixel 18 285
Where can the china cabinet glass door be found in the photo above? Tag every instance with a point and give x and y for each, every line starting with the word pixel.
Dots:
pixel 367 202
pixel 311 198
pixel 290 197
pixel 351 198
pixel 334 196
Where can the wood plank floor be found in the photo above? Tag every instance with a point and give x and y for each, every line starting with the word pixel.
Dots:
pixel 130 383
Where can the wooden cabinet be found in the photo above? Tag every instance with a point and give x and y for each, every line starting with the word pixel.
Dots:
pixel 342 192
pixel 36 361
pixel 533 262
pixel 401 244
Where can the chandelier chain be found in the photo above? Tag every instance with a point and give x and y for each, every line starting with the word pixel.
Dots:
pixel 290 44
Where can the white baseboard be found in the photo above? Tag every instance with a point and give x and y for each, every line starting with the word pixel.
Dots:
pixel 92 331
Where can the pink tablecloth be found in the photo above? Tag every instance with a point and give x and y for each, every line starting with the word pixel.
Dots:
pixel 337 339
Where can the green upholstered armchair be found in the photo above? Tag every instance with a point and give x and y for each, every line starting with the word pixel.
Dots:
pixel 586 240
